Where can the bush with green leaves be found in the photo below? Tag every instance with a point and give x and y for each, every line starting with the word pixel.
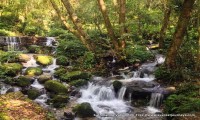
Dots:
pixel 8 56
pixel 185 100
pixel 178 74
pixel 62 60
pixel 134 53
pixel 89 60
pixel 75 75
pixel 11 69
pixel 72 49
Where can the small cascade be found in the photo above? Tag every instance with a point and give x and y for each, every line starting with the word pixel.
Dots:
pixel 42 99
pixel 51 68
pixel 13 43
pixel 37 85
pixel 4 88
pixel 103 100
pixel 31 62
pixel 121 93
pixel 156 99
pixel 50 41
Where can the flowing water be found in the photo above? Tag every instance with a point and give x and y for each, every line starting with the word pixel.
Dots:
pixel 13 43
pixel 103 100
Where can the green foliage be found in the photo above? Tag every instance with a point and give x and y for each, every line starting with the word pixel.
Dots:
pixel 8 56
pixel 34 49
pixel 181 104
pixel 62 60
pixel 32 71
pixel 72 49
pixel 89 60
pixel 84 110
pixel 185 100
pixel 11 69
pixel 59 72
pixel 33 94
pixel 55 86
pixel 3 32
pixel 75 75
pixel 134 53
pixel 3 116
pixel 78 83
pixel 173 74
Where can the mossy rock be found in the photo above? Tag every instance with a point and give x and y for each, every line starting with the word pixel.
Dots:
pixel 23 57
pixel 84 110
pixel 62 60
pixel 78 83
pixel 59 101
pixel 9 80
pixel 11 69
pixel 55 86
pixel 43 78
pixel 33 93
pixel 44 60
pixel 117 85
pixel 32 71
pixel 23 81
pixel 75 75
pixel 59 72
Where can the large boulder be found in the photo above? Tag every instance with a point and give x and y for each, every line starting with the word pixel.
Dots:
pixel 11 69
pixel 32 71
pixel 117 85
pixel 75 75
pixel 84 110
pixel 55 87
pixel 44 60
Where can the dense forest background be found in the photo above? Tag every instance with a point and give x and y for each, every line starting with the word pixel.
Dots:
pixel 90 31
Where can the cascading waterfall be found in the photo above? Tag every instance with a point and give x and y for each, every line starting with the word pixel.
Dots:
pixel 13 43
pixel 121 93
pixel 103 100
pixel 156 100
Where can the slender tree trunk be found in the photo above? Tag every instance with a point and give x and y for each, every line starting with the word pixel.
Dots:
pixel 197 67
pixel 78 26
pixel 167 13
pixel 108 25
pixel 122 21
pixel 179 33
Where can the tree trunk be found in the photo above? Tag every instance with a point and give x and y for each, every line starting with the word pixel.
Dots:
pixel 197 67
pixel 78 26
pixel 167 13
pixel 122 21
pixel 179 33
pixel 108 25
